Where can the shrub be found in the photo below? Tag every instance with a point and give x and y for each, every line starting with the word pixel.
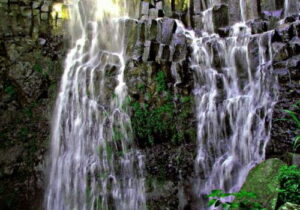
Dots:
pixel 294 117
pixel 289 180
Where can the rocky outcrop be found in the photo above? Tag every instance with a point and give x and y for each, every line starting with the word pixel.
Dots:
pixel 31 55
pixel 286 65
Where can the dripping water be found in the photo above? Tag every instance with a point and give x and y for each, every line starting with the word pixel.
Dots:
pixel 93 161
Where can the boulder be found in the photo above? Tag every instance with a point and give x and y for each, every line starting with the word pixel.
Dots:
pixel 262 180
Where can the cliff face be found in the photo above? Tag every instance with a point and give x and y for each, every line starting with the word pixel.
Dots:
pixel 160 86
pixel 31 58
pixel 156 49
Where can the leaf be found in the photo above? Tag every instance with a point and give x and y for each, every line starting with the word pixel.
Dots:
pixel 212 202
pixel 223 195
pixel 215 193
pixel 218 203
pixel 294 116
pixel 226 206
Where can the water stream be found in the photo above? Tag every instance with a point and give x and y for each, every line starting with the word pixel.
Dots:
pixel 94 164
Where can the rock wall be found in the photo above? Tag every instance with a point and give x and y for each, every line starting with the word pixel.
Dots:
pixel 155 49
pixel 31 55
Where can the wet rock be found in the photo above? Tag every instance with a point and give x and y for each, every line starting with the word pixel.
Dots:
pixel 141 31
pixel 180 48
pixel 295 46
pixel 224 32
pixel 152 30
pixel 131 35
pixel 2 49
pixel 297 28
pixel 166 53
pixel 253 53
pixel 26 12
pixel 276 37
pixel 153 13
pixel 220 16
pixel 217 53
pixel 44 16
pixel 145 8
pixel 281 51
pixel 138 51
pixel 258 26
pixel 197 7
pixel 46 7
pixel 166 29
pixel 234 11
pixel 198 22
pixel 150 51
pixel 251 9
pixel 159 5
pixel 292 8
pixel 268 5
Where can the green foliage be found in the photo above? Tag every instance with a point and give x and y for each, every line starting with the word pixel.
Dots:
pixel 289 180
pixel 155 115
pixel 296 120
pixel 37 68
pixel 10 90
pixel 160 82
pixel 147 121
pixel 245 200
pixel 185 99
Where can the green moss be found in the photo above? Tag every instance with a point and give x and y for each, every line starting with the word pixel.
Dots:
pixel 157 118
pixel 262 180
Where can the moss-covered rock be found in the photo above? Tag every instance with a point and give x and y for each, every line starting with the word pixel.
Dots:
pixel 160 111
pixel 262 180
pixel 289 206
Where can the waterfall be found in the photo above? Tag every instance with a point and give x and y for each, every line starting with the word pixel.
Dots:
pixel 234 102
pixel 234 108
pixel 93 160
pixel 291 7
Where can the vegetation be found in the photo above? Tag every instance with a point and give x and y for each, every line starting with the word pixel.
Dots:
pixel 149 122
pixel 155 118
pixel 245 200
pixel 294 118
pixel 289 180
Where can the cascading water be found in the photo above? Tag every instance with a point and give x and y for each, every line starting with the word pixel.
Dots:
pixel 235 100
pixel 93 161
pixel 291 7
